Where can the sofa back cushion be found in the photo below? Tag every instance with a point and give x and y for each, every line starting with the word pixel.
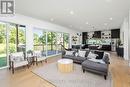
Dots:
pixel 100 54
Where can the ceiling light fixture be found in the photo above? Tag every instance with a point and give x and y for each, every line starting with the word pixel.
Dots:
pixel 71 26
pixel 52 19
pixel 72 12
pixel 86 23
pixel 110 18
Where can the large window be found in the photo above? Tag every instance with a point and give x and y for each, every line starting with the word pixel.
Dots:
pixel 66 40
pixel 12 39
pixel 50 42
pixel 39 40
pixel 59 42
pixel 3 45
pixel 17 41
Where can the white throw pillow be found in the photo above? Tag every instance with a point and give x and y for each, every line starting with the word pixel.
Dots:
pixel 92 55
pixel 76 54
pixel 70 53
pixel 81 53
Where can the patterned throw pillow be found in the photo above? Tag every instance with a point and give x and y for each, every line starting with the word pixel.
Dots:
pixel 70 53
pixel 76 54
pixel 91 55
pixel 81 53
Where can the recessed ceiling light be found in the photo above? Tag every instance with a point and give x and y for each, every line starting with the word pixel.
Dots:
pixel 71 26
pixel 52 19
pixel 111 18
pixel 86 23
pixel 72 12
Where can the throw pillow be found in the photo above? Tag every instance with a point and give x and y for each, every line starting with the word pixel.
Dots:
pixel 76 54
pixel 91 55
pixel 106 58
pixel 81 53
pixel 70 53
pixel 87 51
pixel 100 54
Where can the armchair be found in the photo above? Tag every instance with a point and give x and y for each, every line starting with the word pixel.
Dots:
pixel 17 60
pixel 39 57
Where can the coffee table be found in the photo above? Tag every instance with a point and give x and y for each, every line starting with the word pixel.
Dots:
pixel 65 65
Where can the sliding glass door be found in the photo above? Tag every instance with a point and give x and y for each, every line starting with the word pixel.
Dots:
pixel 17 38
pixel 12 39
pixel 3 45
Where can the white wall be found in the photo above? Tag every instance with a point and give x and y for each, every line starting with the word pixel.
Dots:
pixel 125 37
pixel 31 23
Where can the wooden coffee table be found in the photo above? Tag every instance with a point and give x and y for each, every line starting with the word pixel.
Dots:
pixel 65 65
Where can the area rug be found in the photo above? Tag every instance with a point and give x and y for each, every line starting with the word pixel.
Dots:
pixel 73 79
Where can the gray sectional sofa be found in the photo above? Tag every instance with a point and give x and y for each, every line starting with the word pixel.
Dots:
pixel 76 59
pixel 91 66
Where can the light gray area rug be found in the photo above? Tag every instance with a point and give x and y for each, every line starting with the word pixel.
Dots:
pixel 73 79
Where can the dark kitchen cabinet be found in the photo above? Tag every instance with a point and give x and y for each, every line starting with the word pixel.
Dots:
pixel 84 37
pixel 97 34
pixel 115 33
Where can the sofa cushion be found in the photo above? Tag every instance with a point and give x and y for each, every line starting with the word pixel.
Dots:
pixel 68 56
pixel 75 58
pixel 100 54
pixel 79 58
pixel 95 66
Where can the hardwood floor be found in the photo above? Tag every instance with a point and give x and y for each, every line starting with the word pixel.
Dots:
pixel 23 77
pixel 120 71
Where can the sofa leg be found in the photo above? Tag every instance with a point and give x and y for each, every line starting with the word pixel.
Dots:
pixel 12 70
pixel 28 66
pixel 105 77
pixel 83 70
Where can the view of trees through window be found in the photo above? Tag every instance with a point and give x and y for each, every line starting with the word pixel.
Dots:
pixel 15 35
pixel 66 40
pixel 3 45
pixel 16 38
pixel 49 42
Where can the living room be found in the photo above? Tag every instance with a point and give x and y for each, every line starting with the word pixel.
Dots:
pixel 83 43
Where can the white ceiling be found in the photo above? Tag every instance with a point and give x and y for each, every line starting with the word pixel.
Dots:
pixel 75 13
